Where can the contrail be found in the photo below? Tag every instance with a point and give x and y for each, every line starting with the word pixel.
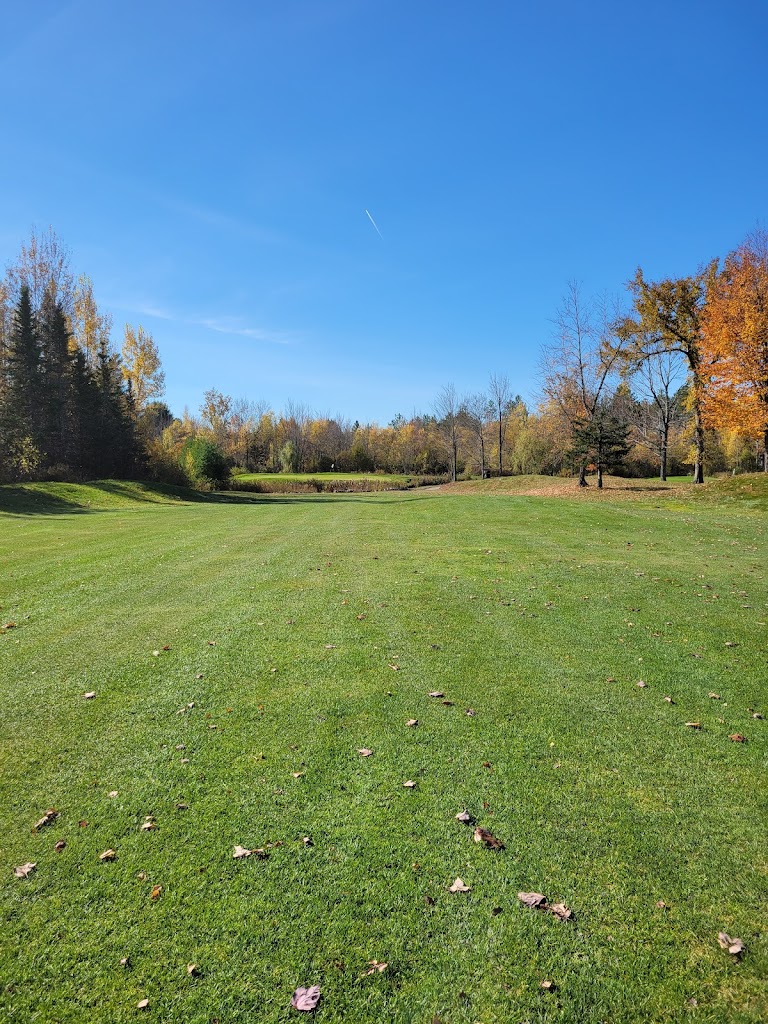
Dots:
pixel 370 218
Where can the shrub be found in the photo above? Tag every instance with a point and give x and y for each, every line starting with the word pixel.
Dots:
pixel 205 463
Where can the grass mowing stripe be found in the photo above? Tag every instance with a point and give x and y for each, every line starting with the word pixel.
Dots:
pixel 627 806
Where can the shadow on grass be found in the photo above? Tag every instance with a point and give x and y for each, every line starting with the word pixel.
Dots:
pixel 73 499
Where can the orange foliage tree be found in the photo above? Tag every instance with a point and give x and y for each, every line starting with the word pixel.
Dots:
pixel 734 345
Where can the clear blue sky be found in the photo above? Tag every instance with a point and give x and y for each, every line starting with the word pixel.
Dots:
pixel 210 163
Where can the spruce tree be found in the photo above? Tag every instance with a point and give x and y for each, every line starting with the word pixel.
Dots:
pixel 20 419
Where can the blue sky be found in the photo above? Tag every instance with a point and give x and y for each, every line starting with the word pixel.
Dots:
pixel 209 164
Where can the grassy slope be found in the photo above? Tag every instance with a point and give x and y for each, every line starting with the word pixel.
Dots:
pixel 604 798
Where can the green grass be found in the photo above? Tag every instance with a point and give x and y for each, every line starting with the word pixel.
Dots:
pixel 283 617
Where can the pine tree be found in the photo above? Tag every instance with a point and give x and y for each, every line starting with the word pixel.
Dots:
pixel 20 419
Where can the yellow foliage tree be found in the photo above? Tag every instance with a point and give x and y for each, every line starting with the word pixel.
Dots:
pixel 734 347
pixel 141 366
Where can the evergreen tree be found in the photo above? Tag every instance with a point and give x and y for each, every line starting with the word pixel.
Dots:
pixel 56 398
pixel 20 420
pixel 601 440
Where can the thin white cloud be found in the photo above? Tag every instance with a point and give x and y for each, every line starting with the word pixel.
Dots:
pixel 234 326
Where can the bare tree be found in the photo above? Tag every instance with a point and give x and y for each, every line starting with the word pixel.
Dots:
pixel 581 365
pixel 656 382
pixel 447 408
pixel 501 398
pixel 479 410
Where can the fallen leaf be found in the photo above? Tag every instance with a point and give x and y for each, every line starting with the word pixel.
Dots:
pixel 734 946
pixel 429 900
pixel 193 970
pixel 487 764
pixel 142 876
pixel 9 625
pixel 409 784
pixel 125 962
pixel 641 683
pixel 436 693
pixel 82 824
pixel 60 845
pixel 757 715
pixel 669 700
pixel 496 911
pixel 395 668
pixel 142 1004
pixel 693 725
pixel 376 967
pixel 737 737
pixel 297 775
pixel 365 752
pixel 241 851
pixel 448 703
pixel 50 815
pixel 330 647
pixel 412 721
pixel 471 712
pixel 307 840
pixel 156 890
pixel 305 998
pixel 361 616
pixel 211 643
pixel 661 904
pixel 107 855
pixel 464 817
pixel 112 794
pixel 482 835
pixel 560 911
pixel 731 643
pixel 148 826
pixel 458 886
pixel 532 899
pixel 90 695
pixel 25 870
pixel 155 654
pixel 166 647
pixel 547 985
pixel 714 696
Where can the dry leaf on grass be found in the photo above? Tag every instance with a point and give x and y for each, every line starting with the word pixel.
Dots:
pixel 142 1004
pixel 297 775
pixel 471 712
pixel 436 693
pixel 305 998
pixel 693 725
pixel 25 870
pixel 90 695
pixel 464 817
pixel 58 847
pixel 156 890
pixel 734 946
pixel 193 970
pixel 409 784
pixel 241 851
pixel 737 737
pixel 458 886
pixel 669 700
pixel 547 985
pixel 448 703
pixel 560 911
pixel 364 752
pixel 714 696
pixel 532 899
pixel 125 961
pixel 411 722
pixel 107 855
pixel 395 668
pixel 50 815
pixel 482 835
pixel 731 643
pixel 376 968
pixel 641 683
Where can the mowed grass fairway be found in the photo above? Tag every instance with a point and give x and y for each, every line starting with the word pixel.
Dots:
pixel 301 630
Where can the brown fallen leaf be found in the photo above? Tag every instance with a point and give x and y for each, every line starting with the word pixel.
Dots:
pixel 143 1004
pixel 471 712
pixel 448 703
pixel 305 998
pixel 25 870
pixel 297 775
pixel 547 985
pixel 9 625
pixel 560 911
pixel 361 616
pixel 166 647
pixel 156 890
pixel 376 968
pixel 458 886
pixel 90 695
pixel 429 900
pixel 395 668
pixel 107 855
pixel 307 840
pixel 125 962
pixel 364 752
pixel 436 693
pixel 148 826
pixel 193 970
pixel 82 824
pixel 411 722
pixel 487 764
pixel 241 851
pixel 409 784
pixel 714 696
pixel 661 904
pixel 734 946
pixel 693 725
pixel 112 794
pixel 641 683
pixel 464 817
pixel 757 715
pixel 58 847
pixel 142 876
pixel 50 815
pixel 669 700
pixel 482 835
pixel 731 643
pixel 737 737
pixel 532 899
pixel 330 647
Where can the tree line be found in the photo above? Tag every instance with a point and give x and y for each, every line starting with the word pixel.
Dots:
pixel 672 379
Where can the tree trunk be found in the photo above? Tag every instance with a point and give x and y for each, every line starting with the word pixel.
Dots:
pixel 583 476
pixel 664 446
pixel 765 451
pixel 501 439
pixel 698 469
pixel 600 476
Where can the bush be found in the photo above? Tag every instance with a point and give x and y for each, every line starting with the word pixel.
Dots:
pixel 205 463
